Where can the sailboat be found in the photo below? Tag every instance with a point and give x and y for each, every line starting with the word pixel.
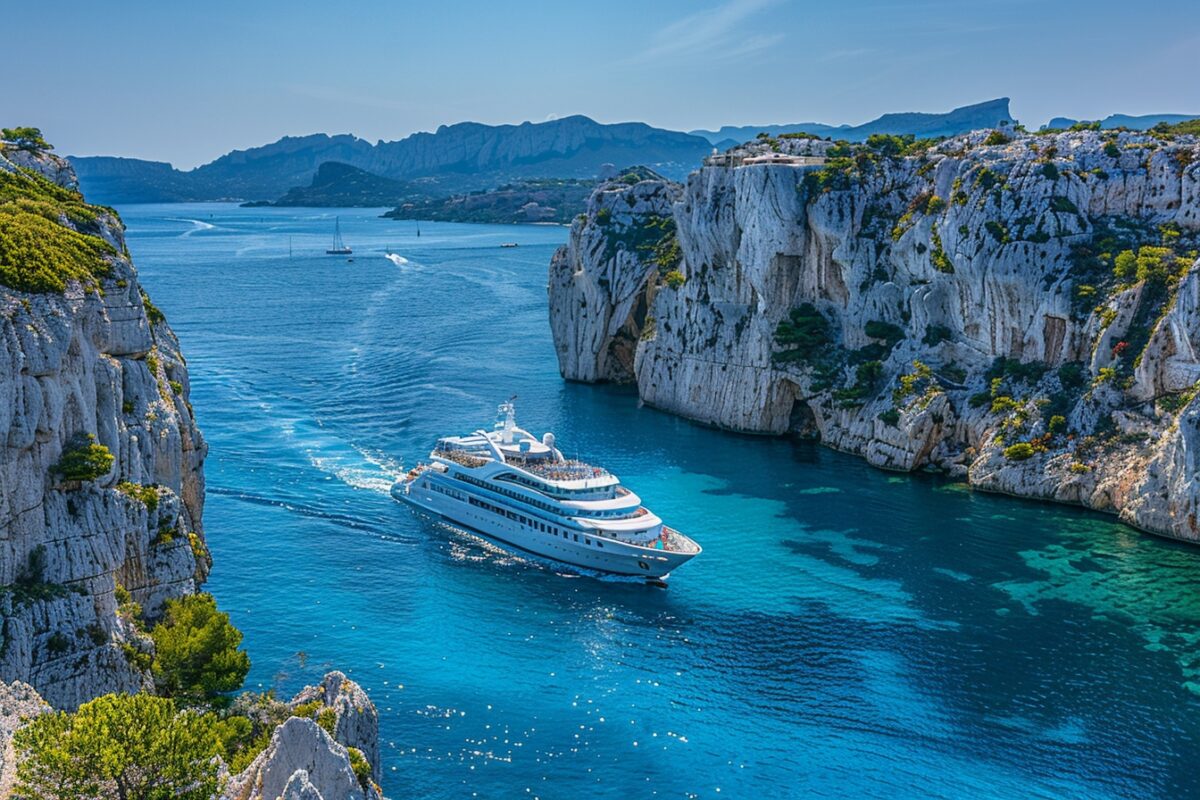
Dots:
pixel 339 247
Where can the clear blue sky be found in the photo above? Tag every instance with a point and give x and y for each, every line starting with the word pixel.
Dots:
pixel 186 82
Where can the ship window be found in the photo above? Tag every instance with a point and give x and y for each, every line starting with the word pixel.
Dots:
pixel 577 537
pixel 599 543
pixel 587 541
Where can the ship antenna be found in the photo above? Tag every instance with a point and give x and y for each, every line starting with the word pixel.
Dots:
pixel 509 412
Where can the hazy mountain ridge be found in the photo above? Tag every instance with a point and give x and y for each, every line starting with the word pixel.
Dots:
pixel 455 158
pixel 988 114
pixel 1143 122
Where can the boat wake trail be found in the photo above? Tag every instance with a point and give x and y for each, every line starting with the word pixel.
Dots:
pixel 398 260
pixel 357 467
pixel 197 225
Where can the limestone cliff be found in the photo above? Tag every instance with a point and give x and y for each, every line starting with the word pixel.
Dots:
pixel 93 359
pixel 1022 311
pixel 313 754
pixel 102 491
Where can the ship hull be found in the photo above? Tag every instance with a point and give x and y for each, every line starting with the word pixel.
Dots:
pixel 574 548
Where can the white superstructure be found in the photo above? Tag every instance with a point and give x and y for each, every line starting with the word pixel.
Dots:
pixel 509 486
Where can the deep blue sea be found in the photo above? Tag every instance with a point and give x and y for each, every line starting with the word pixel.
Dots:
pixel 846 633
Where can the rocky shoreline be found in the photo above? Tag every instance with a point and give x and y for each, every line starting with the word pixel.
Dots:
pixel 92 378
pixel 1019 311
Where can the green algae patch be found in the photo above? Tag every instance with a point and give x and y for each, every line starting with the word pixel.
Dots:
pixel 1140 583
pixel 49 237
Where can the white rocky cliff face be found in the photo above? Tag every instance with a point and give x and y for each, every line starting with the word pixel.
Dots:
pixel 963 306
pixel 102 363
pixel 102 491
pixel 310 761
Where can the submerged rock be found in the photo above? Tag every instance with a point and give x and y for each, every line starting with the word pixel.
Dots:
pixel 959 306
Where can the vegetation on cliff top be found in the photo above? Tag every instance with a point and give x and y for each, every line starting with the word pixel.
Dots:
pixel 48 235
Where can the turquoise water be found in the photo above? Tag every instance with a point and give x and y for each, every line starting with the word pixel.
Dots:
pixel 847 632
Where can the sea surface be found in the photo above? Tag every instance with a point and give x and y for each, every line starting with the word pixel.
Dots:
pixel 846 633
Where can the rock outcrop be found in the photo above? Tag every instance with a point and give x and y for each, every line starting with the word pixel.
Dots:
pixel 312 756
pixel 102 491
pixel 1021 311
pixel 95 361
pixel 19 703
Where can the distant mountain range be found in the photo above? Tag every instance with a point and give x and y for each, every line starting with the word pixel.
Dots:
pixel 455 158
pixel 471 157
pixel 990 114
pixel 1142 123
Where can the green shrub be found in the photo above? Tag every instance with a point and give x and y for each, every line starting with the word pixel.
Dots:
pixel 603 216
pixel 997 230
pixel 119 746
pixel 1004 404
pixel 307 710
pixel 979 399
pixel 985 179
pixel 38 252
pixel 360 766
pixel 889 145
pixel 146 495
pixel 25 138
pixel 327 719
pixel 936 334
pixel 1062 205
pixel 675 279
pixel 995 138
pixel 803 333
pixel 1155 265
pixel 155 316
pixel 1072 375
pixel 85 459
pixel 866 379
pixel 1112 150
pixel 1019 451
pixel 937 255
pixel 920 382
pixel 196 654
pixel 58 643
pixel 1172 403
pixel 890 417
pixel 889 332
pixel 1056 423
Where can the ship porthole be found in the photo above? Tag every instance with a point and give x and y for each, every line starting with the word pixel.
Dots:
pixel 643 565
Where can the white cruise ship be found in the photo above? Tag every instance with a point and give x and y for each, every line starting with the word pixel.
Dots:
pixel 511 487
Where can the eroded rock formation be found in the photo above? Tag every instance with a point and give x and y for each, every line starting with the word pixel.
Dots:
pixel 100 362
pixel 1021 311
